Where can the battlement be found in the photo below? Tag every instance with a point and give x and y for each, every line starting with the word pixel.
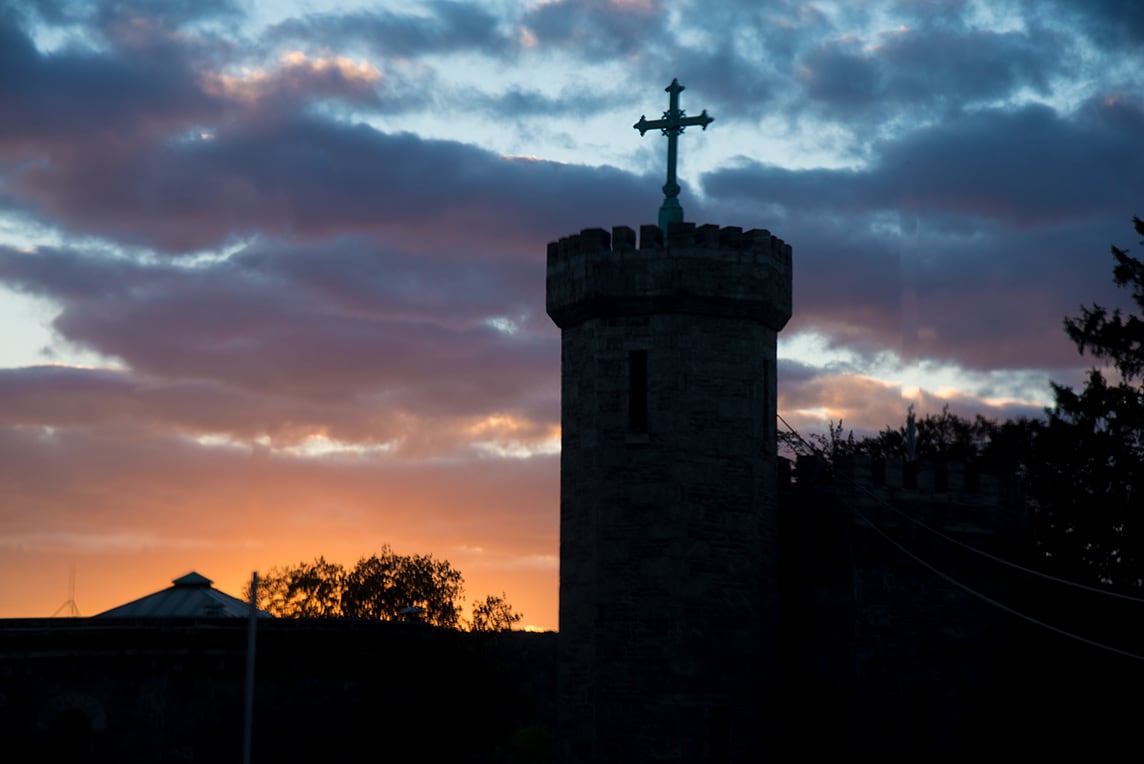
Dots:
pixel 700 270
pixel 950 494
pixel 680 235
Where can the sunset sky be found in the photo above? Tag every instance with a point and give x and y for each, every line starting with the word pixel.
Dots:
pixel 272 273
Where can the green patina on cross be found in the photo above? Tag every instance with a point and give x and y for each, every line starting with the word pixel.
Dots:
pixel 673 122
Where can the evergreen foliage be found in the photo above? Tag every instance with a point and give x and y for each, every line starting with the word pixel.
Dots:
pixel 1088 484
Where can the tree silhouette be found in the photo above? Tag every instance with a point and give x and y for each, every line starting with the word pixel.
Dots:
pixel 1113 336
pixel 1087 484
pixel 944 437
pixel 379 587
pixel 383 585
pixel 307 590
pixel 494 614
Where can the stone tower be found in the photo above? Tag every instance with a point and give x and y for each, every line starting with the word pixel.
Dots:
pixel 669 631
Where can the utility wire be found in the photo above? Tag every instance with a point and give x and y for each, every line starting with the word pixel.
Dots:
pixel 990 600
pixel 975 550
pixel 798 435
pixel 1001 560
pixel 969 590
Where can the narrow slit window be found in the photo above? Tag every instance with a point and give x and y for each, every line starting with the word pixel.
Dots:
pixel 637 390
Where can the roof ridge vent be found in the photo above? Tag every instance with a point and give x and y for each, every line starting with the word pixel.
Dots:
pixel 192 579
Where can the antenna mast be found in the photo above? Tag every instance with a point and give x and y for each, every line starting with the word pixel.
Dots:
pixel 70 606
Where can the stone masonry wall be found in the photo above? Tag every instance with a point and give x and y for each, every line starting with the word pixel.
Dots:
pixel 899 658
pixel 668 594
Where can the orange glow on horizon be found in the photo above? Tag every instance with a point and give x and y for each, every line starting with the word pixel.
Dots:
pixel 101 583
pixel 148 515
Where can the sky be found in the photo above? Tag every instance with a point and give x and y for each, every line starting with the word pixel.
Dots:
pixel 272 273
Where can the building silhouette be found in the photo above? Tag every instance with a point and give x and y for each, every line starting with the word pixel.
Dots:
pixel 189 596
pixel 668 534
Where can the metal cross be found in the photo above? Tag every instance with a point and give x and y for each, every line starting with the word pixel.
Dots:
pixel 673 122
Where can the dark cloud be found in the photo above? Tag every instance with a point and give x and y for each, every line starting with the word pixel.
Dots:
pixel 68 397
pixel 735 85
pixel 312 177
pixel 1117 23
pixel 63 398
pixel 738 55
pixel 842 76
pixel 347 341
pixel 1022 166
pixel 517 102
pixel 88 97
pixel 771 34
pixel 323 331
pixel 968 66
pixel 795 373
pixel 171 13
pixel 596 29
pixel 936 68
pixel 980 296
pixel 960 242
pixel 448 27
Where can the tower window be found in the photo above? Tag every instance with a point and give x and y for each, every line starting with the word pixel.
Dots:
pixel 637 390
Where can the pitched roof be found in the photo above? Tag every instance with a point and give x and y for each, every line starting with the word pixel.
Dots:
pixel 192 596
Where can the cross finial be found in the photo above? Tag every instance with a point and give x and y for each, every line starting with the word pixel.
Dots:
pixel 673 122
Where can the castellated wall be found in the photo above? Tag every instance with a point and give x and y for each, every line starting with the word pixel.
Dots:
pixel 901 658
pixel 668 581
pixel 700 270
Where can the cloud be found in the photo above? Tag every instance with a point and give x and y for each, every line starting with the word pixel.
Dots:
pixel 982 298
pixel 292 343
pixel 441 27
pixel 1003 164
pixel 1119 23
pixel 1009 164
pixel 959 241
pixel 168 13
pixel 596 28
pixel 313 177
pixel 126 507
pixel 75 98
pixel 931 70
pixel 321 77
pixel 171 13
pixel 808 400
pixel 129 478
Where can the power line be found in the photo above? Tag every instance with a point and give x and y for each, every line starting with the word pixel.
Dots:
pixel 798 435
pixel 969 590
pixel 975 550
pixel 1002 560
pixel 990 600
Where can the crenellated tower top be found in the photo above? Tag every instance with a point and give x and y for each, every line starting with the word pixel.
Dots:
pixel 697 270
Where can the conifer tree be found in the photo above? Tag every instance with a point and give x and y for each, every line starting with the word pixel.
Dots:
pixel 1087 484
